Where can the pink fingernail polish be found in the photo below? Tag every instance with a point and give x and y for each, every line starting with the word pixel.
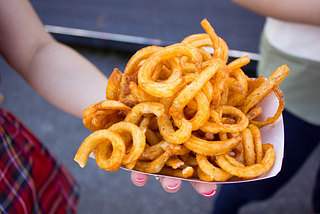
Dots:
pixel 210 194
pixel 173 187
pixel 140 180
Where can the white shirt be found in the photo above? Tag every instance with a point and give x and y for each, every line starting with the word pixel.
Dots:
pixel 298 40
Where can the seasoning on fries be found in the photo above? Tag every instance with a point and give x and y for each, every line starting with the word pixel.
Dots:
pixel 184 112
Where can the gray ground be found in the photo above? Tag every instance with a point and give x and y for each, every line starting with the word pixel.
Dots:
pixel 113 192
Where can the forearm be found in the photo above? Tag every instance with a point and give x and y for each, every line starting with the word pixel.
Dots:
pixel 65 78
pixel 300 11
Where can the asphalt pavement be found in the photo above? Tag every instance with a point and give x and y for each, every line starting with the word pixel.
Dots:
pixel 169 21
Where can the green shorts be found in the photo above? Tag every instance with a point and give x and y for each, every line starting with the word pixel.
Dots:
pixel 301 87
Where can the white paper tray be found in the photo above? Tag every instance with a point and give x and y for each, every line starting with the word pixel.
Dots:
pixel 273 134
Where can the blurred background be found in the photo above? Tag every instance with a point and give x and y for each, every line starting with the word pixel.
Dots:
pixel 108 33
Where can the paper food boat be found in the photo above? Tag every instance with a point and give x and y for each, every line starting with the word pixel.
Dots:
pixel 273 134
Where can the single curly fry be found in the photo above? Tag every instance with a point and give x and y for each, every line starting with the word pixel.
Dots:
pixel 248 145
pixel 140 109
pixel 279 94
pixel 207 88
pixel 108 158
pixel 257 142
pixel 191 90
pixel 159 89
pixel 99 137
pixel 254 112
pixel 174 136
pixel 103 114
pixel 112 89
pixel 214 173
pixel 152 152
pixel 219 45
pixel 264 89
pixel 252 171
pixel 180 173
pixel 202 115
pixel 205 147
pixel 175 71
pixel 217 126
pixel 105 105
pixel 233 160
pixel 139 56
pixel 238 63
pixel 138 138
pixel 194 37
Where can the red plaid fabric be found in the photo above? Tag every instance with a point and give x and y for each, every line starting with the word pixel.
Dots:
pixel 31 180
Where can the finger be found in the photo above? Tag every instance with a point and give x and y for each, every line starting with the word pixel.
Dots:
pixel 139 179
pixel 170 185
pixel 207 190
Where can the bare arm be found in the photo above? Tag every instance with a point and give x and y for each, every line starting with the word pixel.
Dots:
pixel 300 11
pixel 55 71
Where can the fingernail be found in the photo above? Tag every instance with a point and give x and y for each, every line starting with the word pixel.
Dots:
pixel 140 180
pixel 210 194
pixel 173 187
